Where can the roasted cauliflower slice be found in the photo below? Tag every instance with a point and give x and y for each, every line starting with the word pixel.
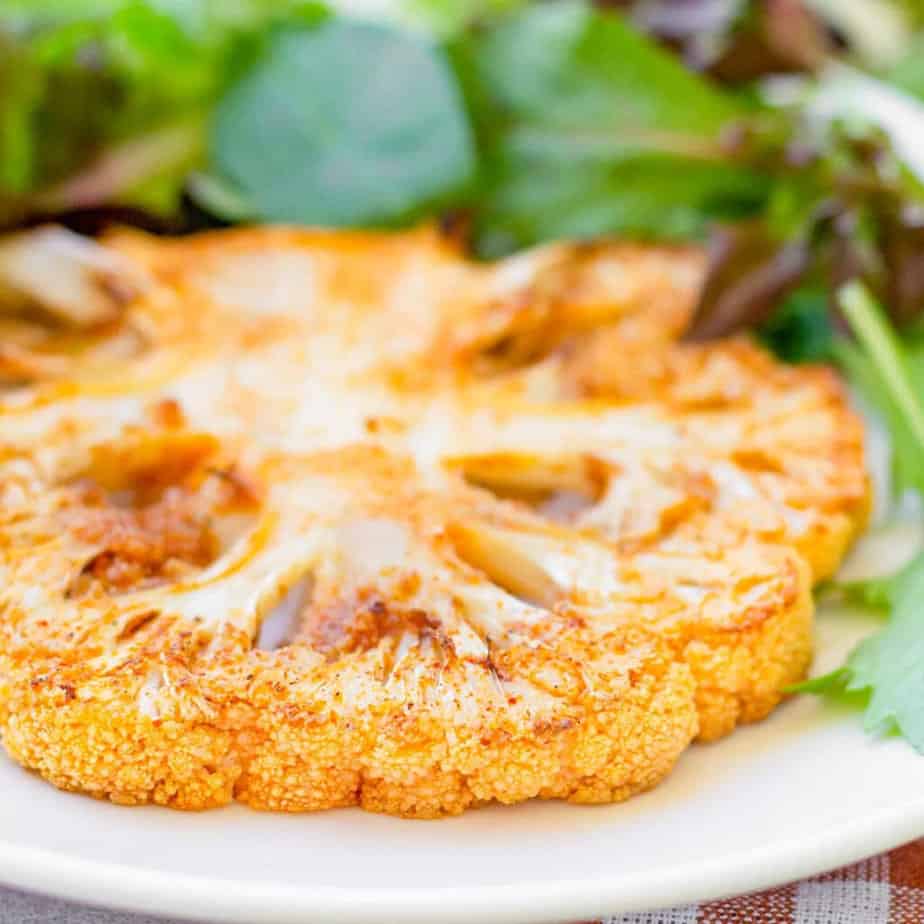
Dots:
pixel 407 681
pixel 365 522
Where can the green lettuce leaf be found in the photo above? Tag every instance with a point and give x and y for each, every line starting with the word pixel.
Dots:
pixel 590 128
pixel 800 331
pixel 909 72
pixel 449 17
pixel 124 89
pixel 346 124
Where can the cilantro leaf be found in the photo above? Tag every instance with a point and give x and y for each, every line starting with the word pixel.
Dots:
pixel 889 666
pixel 834 683
pixel 883 592
pixel 885 672
pixel 346 124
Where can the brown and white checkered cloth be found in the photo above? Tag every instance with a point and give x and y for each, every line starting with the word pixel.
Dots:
pixel 888 889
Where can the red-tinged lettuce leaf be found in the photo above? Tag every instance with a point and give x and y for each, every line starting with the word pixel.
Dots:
pixel 750 272
pixel 903 260
pixel 732 40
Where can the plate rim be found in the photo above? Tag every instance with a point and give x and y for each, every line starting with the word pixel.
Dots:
pixel 146 891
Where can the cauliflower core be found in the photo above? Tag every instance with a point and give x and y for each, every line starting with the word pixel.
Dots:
pixel 364 523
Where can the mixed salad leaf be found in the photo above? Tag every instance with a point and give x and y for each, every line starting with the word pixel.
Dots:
pixel 886 668
pixel 889 377
pixel 126 90
pixel 575 147
pixel 531 121
pixel 380 142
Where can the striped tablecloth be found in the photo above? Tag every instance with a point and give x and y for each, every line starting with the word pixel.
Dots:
pixel 888 889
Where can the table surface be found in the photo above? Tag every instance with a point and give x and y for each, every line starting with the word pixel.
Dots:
pixel 886 889
pixel 21 908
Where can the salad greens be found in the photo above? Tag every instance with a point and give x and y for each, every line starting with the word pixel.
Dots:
pixel 125 89
pixel 886 667
pixel 800 330
pixel 379 142
pixel 533 121
pixel 880 364
pixel 880 592
pixel 576 147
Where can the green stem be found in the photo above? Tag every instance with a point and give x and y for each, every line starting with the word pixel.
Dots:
pixel 869 324
pixel 128 165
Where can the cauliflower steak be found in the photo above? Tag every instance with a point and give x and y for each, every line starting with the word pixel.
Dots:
pixel 315 519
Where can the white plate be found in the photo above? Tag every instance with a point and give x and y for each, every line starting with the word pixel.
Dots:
pixel 802 792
